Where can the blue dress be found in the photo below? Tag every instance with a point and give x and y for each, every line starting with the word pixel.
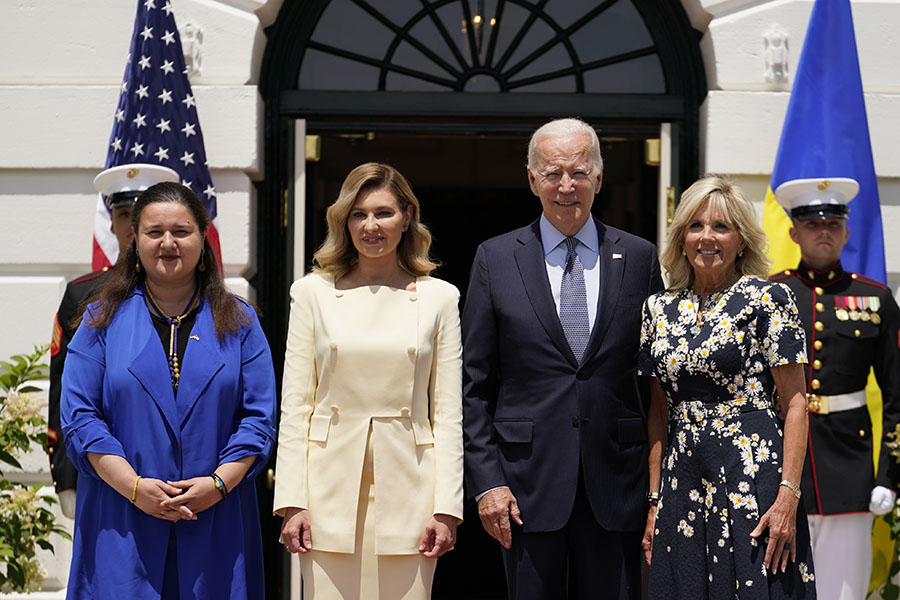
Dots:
pixel 117 399
pixel 723 460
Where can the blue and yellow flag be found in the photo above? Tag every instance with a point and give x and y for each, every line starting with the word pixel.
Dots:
pixel 826 134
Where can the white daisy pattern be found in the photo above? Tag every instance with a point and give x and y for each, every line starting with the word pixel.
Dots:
pixel 722 464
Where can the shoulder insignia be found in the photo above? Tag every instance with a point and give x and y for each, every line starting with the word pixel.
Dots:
pixel 89 276
pixel 778 276
pixel 56 340
pixel 863 279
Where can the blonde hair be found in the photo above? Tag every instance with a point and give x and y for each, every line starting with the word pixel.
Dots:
pixel 337 255
pixel 729 199
pixel 564 127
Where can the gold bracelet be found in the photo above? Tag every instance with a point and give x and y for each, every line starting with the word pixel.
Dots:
pixel 134 491
pixel 653 498
pixel 792 487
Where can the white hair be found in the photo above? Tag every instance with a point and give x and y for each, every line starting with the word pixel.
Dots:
pixel 564 127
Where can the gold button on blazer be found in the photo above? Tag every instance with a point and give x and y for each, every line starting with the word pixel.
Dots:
pixel 381 356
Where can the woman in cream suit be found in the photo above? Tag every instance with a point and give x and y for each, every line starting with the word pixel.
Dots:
pixel 370 457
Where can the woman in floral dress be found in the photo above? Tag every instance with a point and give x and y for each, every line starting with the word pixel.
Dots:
pixel 726 449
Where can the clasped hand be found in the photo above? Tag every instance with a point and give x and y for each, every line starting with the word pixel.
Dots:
pixel 176 500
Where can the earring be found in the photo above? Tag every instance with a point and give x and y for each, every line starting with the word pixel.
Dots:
pixel 740 254
pixel 683 253
pixel 201 266
pixel 137 267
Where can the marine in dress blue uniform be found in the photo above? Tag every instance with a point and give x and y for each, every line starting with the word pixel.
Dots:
pixel 851 324
pixel 121 185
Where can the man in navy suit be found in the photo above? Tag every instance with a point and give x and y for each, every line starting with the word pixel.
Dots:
pixel 555 443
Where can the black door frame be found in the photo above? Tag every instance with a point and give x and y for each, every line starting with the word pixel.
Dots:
pixel 287 38
pixel 672 33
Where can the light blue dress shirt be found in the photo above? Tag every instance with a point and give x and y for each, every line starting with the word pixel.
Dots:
pixel 588 250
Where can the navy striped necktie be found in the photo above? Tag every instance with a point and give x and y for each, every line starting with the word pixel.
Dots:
pixel 573 312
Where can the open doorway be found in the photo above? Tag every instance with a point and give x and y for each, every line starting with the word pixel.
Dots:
pixel 473 187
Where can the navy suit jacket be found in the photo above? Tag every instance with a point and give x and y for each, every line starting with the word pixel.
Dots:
pixel 531 411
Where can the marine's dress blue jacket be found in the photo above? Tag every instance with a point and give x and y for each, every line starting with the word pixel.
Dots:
pixel 117 399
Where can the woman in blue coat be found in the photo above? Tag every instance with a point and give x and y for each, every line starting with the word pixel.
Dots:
pixel 168 409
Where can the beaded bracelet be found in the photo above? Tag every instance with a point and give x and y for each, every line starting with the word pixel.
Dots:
pixel 220 485
pixel 134 491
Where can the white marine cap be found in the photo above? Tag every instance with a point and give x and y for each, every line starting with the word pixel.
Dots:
pixel 124 183
pixel 818 198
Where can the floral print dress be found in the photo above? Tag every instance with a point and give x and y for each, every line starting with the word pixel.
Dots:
pixel 722 465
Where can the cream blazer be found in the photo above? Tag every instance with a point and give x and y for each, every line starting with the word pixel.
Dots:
pixel 375 355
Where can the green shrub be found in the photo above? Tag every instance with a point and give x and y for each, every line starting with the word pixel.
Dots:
pixel 26 521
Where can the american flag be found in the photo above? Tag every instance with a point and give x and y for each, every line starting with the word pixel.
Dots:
pixel 156 120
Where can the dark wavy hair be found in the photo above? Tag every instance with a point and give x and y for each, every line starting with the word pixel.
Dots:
pixel 124 278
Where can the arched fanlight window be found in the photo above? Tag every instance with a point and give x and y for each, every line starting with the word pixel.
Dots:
pixel 482 46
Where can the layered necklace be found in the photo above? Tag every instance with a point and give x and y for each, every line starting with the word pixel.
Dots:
pixel 174 323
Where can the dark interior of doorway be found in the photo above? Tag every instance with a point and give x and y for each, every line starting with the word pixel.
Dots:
pixel 473 187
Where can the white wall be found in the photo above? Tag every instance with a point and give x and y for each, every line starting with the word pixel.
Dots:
pixel 58 91
pixel 57 99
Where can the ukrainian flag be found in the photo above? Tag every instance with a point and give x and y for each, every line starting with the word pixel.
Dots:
pixel 826 134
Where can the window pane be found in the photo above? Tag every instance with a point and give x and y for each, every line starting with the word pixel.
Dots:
pixel 560 84
pixel 483 22
pixel 642 75
pixel 398 11
pixel 451 17
pixel 398 82
pixel 427 33
pixel 616 30
pixel 409 57
pixel 566 12
pixel 508 26
pixel 322 71
pixel 481 83
pixel 538 34
pixel 346 26
pixel 555 59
